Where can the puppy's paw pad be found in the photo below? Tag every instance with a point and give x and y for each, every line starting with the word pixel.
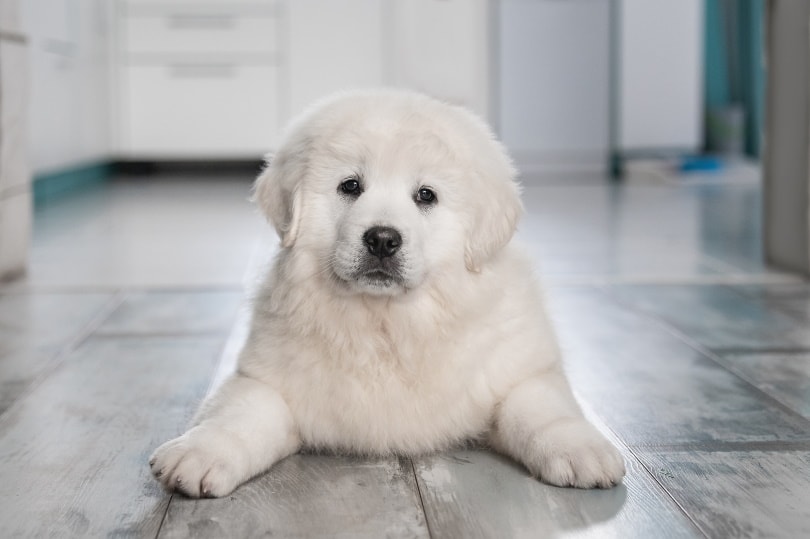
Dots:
pixel 575 454
pixel 199 463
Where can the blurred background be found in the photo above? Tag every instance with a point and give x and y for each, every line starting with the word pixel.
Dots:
pixel 663 147
pixel 579 90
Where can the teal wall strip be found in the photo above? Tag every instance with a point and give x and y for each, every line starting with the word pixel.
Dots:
pixel 734 73
pixel 752 69
pixel 716 80
pixel 48 187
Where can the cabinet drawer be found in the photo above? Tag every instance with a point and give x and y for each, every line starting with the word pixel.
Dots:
pixel 199 110
pixel 191 31
pixel 241 5
pixel 13 118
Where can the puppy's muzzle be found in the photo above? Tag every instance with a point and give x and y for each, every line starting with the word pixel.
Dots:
pixel 382 241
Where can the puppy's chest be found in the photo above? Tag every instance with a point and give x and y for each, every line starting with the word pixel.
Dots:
pixel 384 402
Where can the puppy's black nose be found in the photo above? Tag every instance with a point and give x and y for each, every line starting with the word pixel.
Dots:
pixel 382 241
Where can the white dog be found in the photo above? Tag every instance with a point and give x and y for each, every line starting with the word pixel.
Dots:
pixel 396 318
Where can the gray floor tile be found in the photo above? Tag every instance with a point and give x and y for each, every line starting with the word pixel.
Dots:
pixel 310 496
pixel 73 453
pixel 784 376
pixel 148 232
pixel 34 330
pixel 717 317
pixel 47 319
pixel 793 299
pixel 652 388
pixel 739 494
pixel 728 221
pixel 722 223
pixel 640 261
pixel 475 493
pixel 167 312
pixel 73 447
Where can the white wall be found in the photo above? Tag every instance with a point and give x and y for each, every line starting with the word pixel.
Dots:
pixel 441 48
pixel 69 98
pixel 554 87
pixel 333 46
pixel 660 85
pixel 559 107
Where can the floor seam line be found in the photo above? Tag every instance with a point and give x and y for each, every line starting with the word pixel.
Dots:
pixel 421 497
pixel 669 495
pixel 725 447
pixel 759 351
pixel 165 515
pixel 590 410
pixel 58 358
pixel 702 350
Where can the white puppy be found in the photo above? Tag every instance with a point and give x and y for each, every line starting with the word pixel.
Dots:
pixel 396 318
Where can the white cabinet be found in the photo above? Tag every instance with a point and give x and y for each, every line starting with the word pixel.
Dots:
pixel 334 46
pixel 198 81
pixel 69 88
pixel 211 110
pixel 219 79
pixel 437 47
pixel 554 81
pixel 583 80
pixel 659 62
pixel 441 48
pixel 179 31
pixel 14 175
pixel 15 188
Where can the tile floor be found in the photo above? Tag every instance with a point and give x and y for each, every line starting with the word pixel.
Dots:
pixel 683 347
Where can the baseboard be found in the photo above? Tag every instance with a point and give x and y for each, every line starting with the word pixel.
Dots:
pixel 54 185
pixel 250 167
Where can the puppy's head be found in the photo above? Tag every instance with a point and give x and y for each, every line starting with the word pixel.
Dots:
pixel 385 190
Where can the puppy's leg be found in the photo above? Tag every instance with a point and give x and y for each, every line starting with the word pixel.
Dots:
pixel 241 431
pixel 540 425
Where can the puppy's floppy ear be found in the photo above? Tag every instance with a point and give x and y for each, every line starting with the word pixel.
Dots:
pixel 277 190
pixel 495 212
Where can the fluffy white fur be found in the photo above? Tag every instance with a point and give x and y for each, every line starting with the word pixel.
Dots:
pixel 455 346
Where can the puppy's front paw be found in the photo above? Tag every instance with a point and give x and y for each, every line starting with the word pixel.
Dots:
pixel 204 462
pixel 572 453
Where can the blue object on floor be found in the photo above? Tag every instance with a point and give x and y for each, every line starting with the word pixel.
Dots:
pixel 700 163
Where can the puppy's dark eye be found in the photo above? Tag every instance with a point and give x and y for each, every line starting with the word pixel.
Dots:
pixel 350 186
pixel 425 196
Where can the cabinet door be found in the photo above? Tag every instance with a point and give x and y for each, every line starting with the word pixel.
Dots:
pixel 15 196
pixel 13 117
pixel 199 110
pixel 660 74
pixel 333 46
pixel 442 49
pixel 52 31
pixel 226 33
pixel 554 81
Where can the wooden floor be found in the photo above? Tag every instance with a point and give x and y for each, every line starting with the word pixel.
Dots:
pixel 687 352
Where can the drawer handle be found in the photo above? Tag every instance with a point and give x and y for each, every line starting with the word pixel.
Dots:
pixel 193 21
pixel 202 71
